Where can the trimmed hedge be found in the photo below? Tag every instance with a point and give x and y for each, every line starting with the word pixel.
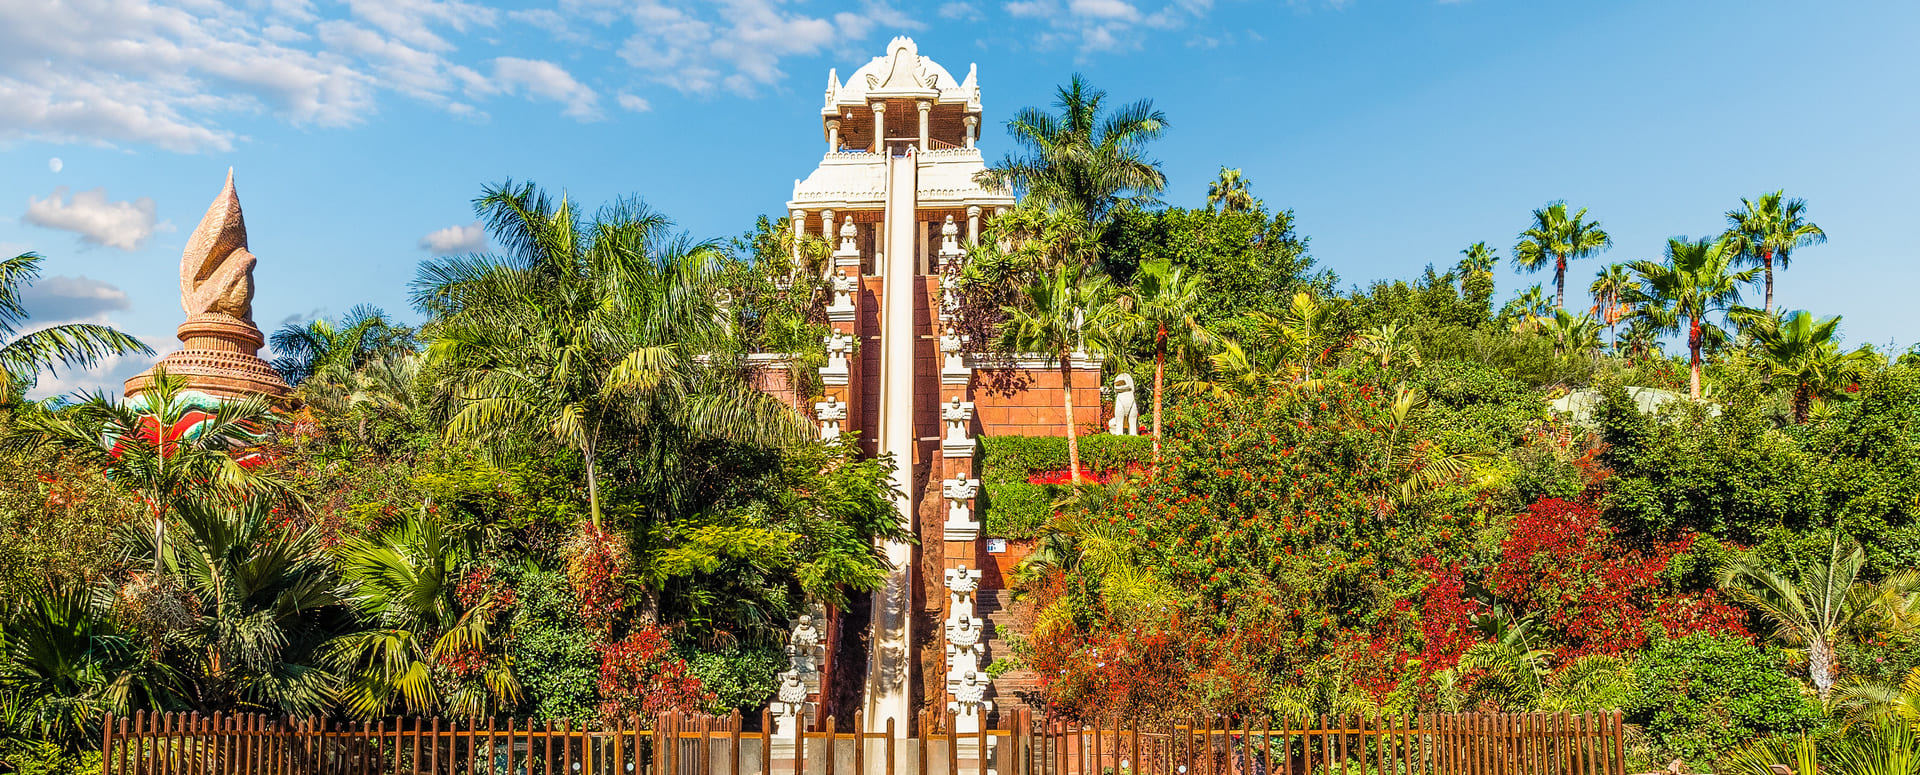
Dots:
pixel 1012 508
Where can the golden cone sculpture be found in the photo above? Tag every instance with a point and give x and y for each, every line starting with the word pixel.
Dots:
pixel 222 345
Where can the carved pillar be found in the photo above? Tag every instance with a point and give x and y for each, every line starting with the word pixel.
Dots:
pixel 839 353
pixel 797 219
pixel 925 107
pixel 973 224
pixel 833 135
pixel 832 414
pixel 973 130
pixel 880 127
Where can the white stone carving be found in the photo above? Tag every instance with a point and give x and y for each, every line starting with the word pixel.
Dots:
pixel 1126 410
pixel 962 583
pixel 789 703
pixel 839 346
pixel 949 238
pixel 953 365
pixel 831 414
pixel 847 232
pixel 803 646
pixel 843 285
pixel 959 418
pixel 961 525
pixel 970 704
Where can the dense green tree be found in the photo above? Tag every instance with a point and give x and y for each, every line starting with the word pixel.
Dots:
pixel 1696 281
pixel 1164 300
pixel 584 327
pixel 1703 694
pixel 69 345
pixel 1556 237
pixel 1767 229
pixel 1081 159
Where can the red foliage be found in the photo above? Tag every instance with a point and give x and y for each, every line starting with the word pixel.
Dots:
pixel 1446 616
pixel 1065 476
pixel 1562 559
pixel 482 587
pixel 641 676
pixel 1153 671
pixel 595 562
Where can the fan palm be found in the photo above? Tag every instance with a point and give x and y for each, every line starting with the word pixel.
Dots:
pixel 1082 160
pixel 1230 193
pixel 70 345
pixel 1558 236
pixel 1767 229
pixel 584 327
pixel 267 602
pixel 1806 353
pixel 170 445
pixel 66 664
pixel 1696 280
pixel 1609 291
pixel 323 346
pixel 1165 299
pixel 1479 257
pixel 402 581
pixel 1059 313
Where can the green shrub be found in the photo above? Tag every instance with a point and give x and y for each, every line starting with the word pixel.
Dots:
pixel 39 757
pixel 552 650
pixel 740 677
pixel 1702 695
pixel 1013 508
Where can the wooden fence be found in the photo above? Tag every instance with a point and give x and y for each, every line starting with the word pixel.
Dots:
pixel 678 744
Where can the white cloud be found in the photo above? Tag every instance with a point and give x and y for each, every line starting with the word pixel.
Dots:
pixel 1104 25
pixel 632 103
pixel 738 44
pixel 108 376
pixel 54 164
pixel 540 78
pixel 471 238
pixel 62 299
pixel 961 11
pixel 99 221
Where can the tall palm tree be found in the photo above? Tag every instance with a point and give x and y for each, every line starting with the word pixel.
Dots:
pixel 1062 312
pixel 1479 257
pixel 1609 291
pixel 1165 299
pixel 1230 193
pixel 1806 353
pixel 1558 236
pixel 1082 160
pixel 1769 228
pixel 1810 611
pixel 70 345
pixel 303 351
pixel 1696 280
pixel 170 446
pixel 403 582
pixel 584 327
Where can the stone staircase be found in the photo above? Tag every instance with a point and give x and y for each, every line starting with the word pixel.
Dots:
pixel 1020 686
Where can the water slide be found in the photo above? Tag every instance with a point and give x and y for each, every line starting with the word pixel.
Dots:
pixel 890 651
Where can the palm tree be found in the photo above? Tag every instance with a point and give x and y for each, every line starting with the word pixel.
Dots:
pixel 1062 312
pixel 583 328
pixel 170 446
pixel 1479 257
pixel 70 345
pixel 1390 342
pixel 1164 299
pixel 267 603
pixel 1526 306
pixel 67 664
pixel 1806 353
pixel 1570 333
pixel 1769 228
pixel 1696 280
pixel 323 346
pixel 1609 291
pixel 1230 193
pixel 1560 237
pixel 1080 160
pixel 1810 611
pixel 403 581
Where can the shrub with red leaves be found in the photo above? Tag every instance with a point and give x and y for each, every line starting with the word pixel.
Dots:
pixel 595 561
pixel 642 676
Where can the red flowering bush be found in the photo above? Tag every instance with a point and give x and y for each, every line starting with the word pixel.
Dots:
pixel 1601 596
pixel 642 676
pixel 595 561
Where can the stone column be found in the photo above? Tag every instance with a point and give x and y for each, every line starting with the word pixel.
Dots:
pixel 833 135
pixel 798 220
pixel 973 130
pixel 973 224
pixel 925 107
pixel 880 127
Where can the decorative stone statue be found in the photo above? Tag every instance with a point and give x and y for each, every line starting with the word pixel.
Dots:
pixel 964 632
pixel 839 346
pixel 789 702
pixel 949 237
pixel 950 348
pixel 958 414
pixel 847 232
pixel 803 645
pixel 962 583
pixel 831 413
pixel 949 293
pixel 220 342
pixel 959 492
pixel 1126 411
pixel 843 287
pixel 970 695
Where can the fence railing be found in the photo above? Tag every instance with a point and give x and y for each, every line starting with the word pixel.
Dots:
pixel 684 744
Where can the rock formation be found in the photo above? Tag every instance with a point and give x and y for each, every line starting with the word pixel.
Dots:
pixel 220 356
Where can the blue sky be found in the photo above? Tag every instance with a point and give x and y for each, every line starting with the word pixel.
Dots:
pixel 1399 132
